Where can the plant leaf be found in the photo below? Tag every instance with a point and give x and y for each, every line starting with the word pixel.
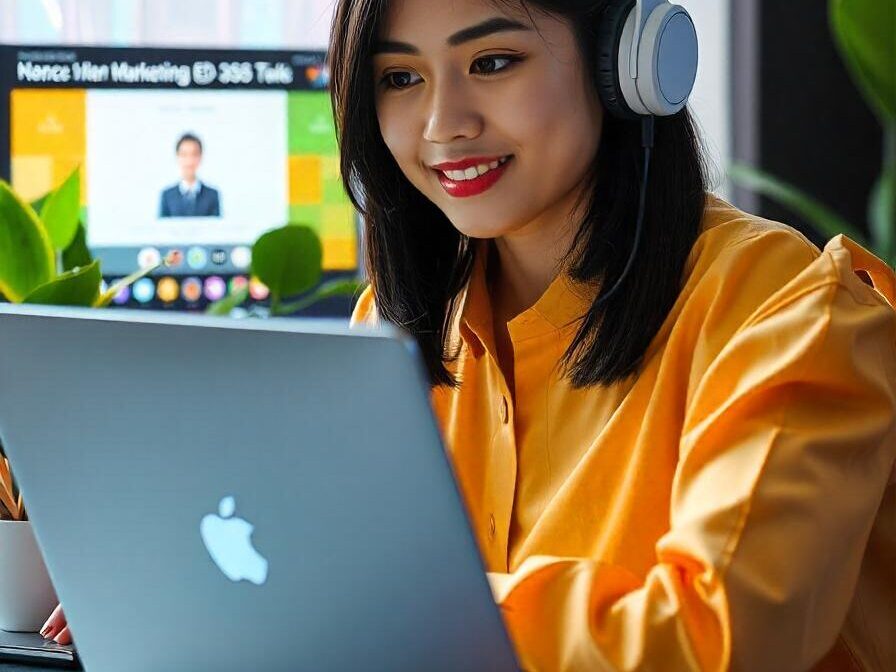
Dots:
pixel 339 287
pixel 819 215
pixel 77 252
pixel 39 203
pixel 288 259
pixel 106 297
pixel 229 302
pixel 864 30
pixel 27 259
pixel 62 210
pixel 335 287
pixel 77 287
pixel 882 213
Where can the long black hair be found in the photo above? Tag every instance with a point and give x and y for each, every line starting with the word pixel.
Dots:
pixel 418 271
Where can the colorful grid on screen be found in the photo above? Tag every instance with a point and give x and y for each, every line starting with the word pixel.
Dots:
pixel 316 194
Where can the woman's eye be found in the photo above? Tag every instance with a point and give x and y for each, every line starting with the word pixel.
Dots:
pixel 488 65
pixel 400 79
pixel 485 65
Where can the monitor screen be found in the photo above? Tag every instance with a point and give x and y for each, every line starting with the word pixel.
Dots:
pixel 191 152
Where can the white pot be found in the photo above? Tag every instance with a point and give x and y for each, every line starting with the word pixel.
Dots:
pixel 26 594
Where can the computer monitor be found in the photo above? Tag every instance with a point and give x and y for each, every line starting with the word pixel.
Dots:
pixel 197 151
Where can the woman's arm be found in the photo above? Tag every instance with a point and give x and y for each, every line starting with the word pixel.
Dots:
pixel 788 443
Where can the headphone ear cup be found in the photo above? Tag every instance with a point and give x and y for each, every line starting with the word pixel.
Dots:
pixel 609 36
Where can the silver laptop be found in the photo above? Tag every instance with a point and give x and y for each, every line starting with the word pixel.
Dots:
pixel 213 494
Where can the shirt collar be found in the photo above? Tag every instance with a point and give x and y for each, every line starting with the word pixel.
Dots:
pixel 558 309
pixel 192 189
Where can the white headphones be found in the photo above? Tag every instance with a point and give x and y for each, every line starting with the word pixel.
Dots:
pixel 647 58
pixel 647 65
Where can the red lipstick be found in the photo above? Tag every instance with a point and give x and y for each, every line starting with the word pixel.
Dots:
pixel 477 185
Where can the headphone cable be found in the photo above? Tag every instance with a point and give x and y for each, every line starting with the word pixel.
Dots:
pixel 647 136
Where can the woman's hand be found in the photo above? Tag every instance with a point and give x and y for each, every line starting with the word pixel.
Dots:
pixel 56 627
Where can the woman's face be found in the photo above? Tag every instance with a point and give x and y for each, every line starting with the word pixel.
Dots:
pixel 475 83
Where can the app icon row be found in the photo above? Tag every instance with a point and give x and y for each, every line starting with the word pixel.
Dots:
pixel 196 257
pixel 190 289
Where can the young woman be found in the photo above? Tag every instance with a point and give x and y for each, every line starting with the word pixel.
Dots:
pixel 675 443
pixel 691 473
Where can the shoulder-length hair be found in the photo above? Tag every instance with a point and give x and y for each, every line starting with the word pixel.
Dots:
pixel 418 272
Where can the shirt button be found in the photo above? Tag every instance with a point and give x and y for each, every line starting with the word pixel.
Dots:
pixel 491 527
pixel 505 413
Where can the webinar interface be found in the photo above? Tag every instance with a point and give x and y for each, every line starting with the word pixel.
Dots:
pixel 187 153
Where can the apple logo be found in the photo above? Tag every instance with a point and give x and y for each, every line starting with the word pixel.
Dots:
pixel 227 540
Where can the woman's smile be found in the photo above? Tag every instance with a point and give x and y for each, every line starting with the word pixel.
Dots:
pixel 462 179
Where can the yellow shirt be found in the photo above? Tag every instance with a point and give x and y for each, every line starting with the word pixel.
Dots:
pixel 727 508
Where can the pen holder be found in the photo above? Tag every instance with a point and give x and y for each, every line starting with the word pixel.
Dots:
pixel 26 593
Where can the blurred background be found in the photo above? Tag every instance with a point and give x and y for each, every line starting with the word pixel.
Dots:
pixel 795 127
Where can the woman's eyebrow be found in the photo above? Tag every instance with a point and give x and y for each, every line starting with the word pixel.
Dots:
pixel 498 24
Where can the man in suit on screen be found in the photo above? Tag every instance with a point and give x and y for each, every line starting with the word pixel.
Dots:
pixel 190 197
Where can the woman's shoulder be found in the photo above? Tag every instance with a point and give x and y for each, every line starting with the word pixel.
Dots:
pixel 749 275
pixel 753 260
pixel 729 235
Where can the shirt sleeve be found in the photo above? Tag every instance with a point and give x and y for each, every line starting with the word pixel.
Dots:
pixel 364 312
pixel 787 445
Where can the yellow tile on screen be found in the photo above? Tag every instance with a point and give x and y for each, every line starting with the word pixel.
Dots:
pixel 32 176
pixel 340 254
pixel 304 180
pixel 48 122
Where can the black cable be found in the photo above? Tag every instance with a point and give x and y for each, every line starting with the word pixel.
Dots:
pixel 647 133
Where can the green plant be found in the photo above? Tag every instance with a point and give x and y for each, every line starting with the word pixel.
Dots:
pixel 865 33
pixel 289 261
pixel 44 259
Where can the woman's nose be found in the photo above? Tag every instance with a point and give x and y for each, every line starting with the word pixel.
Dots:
pixel 450 115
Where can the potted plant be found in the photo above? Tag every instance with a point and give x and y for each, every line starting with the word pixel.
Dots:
pixel 43 259
pixel 26 593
